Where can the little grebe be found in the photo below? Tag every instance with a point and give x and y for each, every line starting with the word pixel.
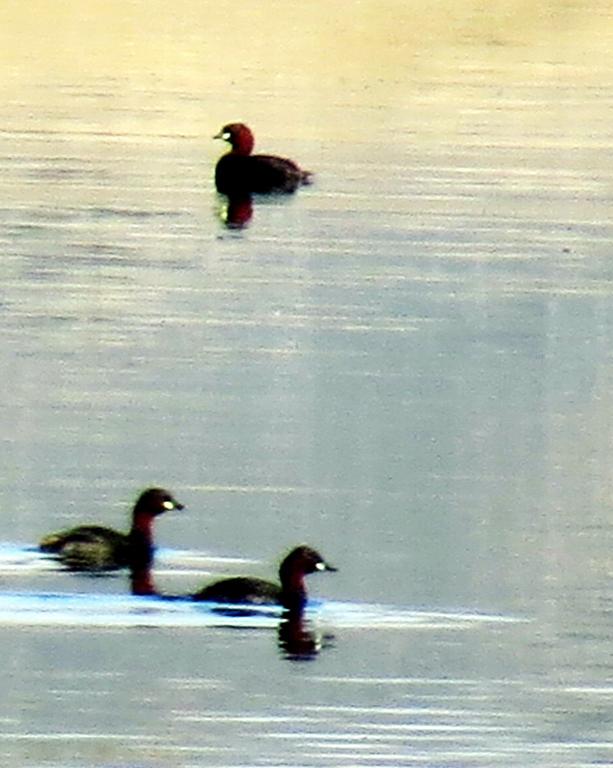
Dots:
pixel 97 548
pixel 291 593
pixel 239 172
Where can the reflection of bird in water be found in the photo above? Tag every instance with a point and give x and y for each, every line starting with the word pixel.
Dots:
pixel 97 548
pixel 237 211
pixel 298 640
pixel 291 593
pixel 239 172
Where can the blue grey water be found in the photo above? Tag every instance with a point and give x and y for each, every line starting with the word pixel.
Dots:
pixel 407 365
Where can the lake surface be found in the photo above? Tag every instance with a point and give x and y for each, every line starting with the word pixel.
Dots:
pixel 407 365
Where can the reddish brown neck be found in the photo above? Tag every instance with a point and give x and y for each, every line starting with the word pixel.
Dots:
pixel 293 588
pixel 242 142
pixel 293 592
pixel 294 582
pixel 141 545
pixel 142 523
pixel 141 542
pixel 142 582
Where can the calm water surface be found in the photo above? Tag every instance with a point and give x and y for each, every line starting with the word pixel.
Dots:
pixel 406 365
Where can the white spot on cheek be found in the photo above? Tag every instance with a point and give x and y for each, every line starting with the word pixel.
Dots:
pixel 320 566
pixel 168 505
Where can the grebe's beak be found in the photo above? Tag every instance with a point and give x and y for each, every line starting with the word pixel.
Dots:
pixel 224 135
pixel 323 566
